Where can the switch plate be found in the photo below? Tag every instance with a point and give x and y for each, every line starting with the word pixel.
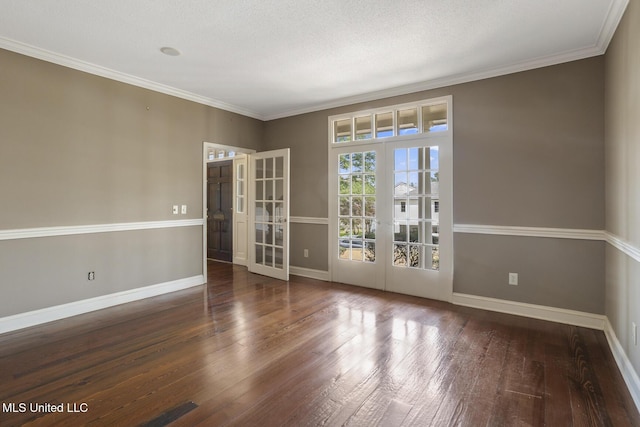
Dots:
pixel 513 279
pixel 306 253
pixel 634 331
pixel 175 209
pixel 183 210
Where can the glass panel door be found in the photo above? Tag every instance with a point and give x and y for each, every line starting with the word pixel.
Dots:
pixel 420 214
pixel 355 205
pixel 269 216
pixel 391 199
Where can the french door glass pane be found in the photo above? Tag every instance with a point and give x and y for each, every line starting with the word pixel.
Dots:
pixel 259 169
pixel 356 212
pixel 259 190
pixel 259 257
pixel 370 207
pixel 369 251
pixel 268 190
pixel 268 168
pixel 344 165
pixel 356 163
pixel 345 206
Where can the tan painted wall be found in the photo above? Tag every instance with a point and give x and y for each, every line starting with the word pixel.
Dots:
pixel 78 149
pixel 622 170
pixel 528 151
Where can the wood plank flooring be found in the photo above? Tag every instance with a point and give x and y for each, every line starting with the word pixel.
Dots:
pixel 248 350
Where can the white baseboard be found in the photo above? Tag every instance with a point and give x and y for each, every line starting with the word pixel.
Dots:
pixel 310 273
pixel 49 314
pixel 553 314
pixel 624 364
pixel 570 317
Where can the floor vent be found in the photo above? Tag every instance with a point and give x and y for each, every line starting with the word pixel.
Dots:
pixel 171 415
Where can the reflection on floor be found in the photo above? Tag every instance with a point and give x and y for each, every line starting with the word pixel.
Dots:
pixel 250 350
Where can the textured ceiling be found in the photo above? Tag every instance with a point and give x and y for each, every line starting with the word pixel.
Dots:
pixel 270 59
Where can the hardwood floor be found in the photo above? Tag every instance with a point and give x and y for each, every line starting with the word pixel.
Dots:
pixel 249 350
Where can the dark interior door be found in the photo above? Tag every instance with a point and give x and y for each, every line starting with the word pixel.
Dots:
pixel 219 210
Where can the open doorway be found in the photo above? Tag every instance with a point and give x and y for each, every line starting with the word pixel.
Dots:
pixel 256 232
pixel 230 231
pixel 220 210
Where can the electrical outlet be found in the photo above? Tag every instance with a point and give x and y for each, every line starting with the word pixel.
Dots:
pixel 306 253
pixel 183 210
pixel 175 209
pixel 513 279
pixel 91 275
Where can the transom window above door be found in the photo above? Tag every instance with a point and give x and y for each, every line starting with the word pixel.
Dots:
pixel 406 119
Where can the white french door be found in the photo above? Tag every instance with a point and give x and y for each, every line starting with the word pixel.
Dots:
pixel 269 213
pixel 391 215
pixel 418 211
pixel 357 243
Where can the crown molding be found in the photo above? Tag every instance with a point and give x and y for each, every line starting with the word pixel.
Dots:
pixel 611 21
pixel 87 67
pixel 541 62
pixel 610 24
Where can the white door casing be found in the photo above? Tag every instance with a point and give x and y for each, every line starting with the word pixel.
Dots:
pixel 240 217
pixel 391 220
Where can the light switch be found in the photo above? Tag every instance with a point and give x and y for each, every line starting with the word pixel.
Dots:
pixel 183 211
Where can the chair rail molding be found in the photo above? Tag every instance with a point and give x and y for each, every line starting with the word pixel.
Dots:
pixel 508 230
pixel 30 233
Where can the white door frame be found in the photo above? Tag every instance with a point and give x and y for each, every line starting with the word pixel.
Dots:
pixel 206 148
pixel 352 143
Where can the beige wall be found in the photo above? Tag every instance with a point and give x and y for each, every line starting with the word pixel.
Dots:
pixel 45 272
pixel 622 168
pixel 528 151
pixel 78 149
